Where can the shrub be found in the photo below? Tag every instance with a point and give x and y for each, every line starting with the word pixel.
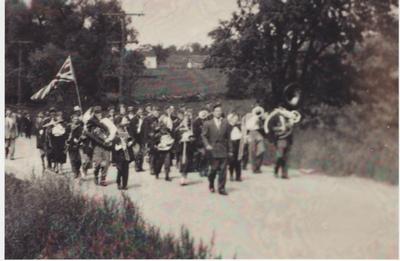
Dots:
pixel 45 218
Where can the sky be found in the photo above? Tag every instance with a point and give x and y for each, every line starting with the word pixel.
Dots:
pixel 177 22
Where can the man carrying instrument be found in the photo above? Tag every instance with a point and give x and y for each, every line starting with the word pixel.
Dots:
pixel 163 145
pixel 215 137
pixel 151 128
pixel 97 125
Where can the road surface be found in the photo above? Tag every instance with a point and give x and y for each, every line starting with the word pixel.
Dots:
pixel 307 216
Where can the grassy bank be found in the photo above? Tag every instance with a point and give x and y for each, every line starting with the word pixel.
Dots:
pixel 44 218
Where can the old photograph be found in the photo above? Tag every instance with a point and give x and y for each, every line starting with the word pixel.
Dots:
pixel 201 129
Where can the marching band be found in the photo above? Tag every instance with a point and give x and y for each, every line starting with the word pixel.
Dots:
pixel 209 143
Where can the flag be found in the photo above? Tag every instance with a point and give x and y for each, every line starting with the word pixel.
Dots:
pixel 65 74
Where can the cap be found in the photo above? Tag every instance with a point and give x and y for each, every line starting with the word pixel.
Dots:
pixel 77 108
pixel 52 109
pixel 130 109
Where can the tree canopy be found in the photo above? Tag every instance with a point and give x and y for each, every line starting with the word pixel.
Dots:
pixel 58 28
pixel 268 44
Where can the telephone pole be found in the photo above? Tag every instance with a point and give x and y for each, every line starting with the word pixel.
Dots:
pixel 123 42
pixel 19 90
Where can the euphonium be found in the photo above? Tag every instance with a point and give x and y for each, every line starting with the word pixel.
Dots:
pixel 101 131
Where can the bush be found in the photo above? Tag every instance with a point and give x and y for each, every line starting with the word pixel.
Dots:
pixel 46 219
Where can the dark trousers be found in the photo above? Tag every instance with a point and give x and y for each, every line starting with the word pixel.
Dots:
pixel 218 167
pixel 202 162
pixel 234 163
pixel 245 159
pixel 257 163
pixel 162 158
pixel 282 155
pixel 235 166
pixel 75 160
pixel 123 173
pixel 187 166
pixel 139 159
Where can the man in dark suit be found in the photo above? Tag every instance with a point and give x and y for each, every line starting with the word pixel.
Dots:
pixel 215 137
pixel 136 130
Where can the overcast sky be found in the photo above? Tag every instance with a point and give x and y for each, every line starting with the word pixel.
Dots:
pixel 178 21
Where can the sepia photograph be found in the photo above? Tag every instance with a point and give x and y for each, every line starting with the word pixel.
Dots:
pixel 200 129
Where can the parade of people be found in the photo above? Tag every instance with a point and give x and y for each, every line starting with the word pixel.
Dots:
pixel 210 144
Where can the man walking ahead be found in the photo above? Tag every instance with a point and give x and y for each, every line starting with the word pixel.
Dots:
pixel 215 137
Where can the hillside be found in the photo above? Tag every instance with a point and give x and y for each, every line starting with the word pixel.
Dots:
pixel 178 83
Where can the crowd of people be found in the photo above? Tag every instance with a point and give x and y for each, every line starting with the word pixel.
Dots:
pixel 209 142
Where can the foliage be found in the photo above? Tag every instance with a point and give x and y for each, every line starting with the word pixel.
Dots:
pixel 273 43
pixel 57 28
pixel 47 219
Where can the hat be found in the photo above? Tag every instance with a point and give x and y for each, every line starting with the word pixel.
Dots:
pixel 52 109
pixel 96 109
pixel 203 114
pixel 77 108
pixel 40 114
pixel 130 109
pixel 216 105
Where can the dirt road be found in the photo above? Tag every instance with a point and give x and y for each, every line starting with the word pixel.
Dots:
pixel 308 216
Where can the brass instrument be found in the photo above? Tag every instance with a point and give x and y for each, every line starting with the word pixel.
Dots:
pixel 281 121
pixel 101 131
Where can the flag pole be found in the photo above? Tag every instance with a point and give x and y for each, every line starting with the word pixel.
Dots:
pixel 76 84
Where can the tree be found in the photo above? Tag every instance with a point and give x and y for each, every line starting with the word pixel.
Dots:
pixel 58 28
pixel 161 53
pixel 278 42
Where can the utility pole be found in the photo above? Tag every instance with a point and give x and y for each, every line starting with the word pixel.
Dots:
pixel 123 42
pixel 19 90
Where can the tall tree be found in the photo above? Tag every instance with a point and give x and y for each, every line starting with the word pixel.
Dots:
pixel 278 42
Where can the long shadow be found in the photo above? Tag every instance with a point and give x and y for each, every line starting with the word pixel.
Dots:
pixel 194 182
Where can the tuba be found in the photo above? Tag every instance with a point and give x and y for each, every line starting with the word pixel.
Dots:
pixel 280 122
pixel 101 131
pixel 292 94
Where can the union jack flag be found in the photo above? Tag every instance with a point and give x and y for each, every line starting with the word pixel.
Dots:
pixel 65 74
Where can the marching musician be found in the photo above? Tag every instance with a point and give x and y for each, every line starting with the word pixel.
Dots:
pixel 111 113
pixel 200 157
pixel 151 127
pixel 215 137
pixel 77 111
pixel 282 138
pixel 58 136
pixel 163 145
pixel 101 150
pixel 40 137
pixel 73 144
pixel 136 131
pixel 235 138
pixel 131 113
pixel 186 146
pixel 48 123
pixel 122 153
pixel 256 139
